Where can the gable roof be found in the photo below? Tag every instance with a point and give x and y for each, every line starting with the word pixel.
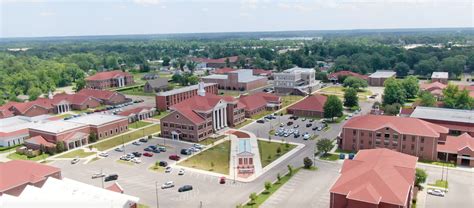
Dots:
pixel 189 107
pixel 135 111
pixel 107 75
pixel 39 140
pixel 454 144
pixel 223 70
pixel 100 94
pixel 403 125
pixel 432 86
pixel 18 172
pixel 313 102
pixel 377 175
pixel 335 75
pixel 258 100
pixel 158 82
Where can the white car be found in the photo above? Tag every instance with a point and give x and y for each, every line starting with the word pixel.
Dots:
pixel 75 160
pixel 136 160
pixel 118 149
pixel 104 154
pixel 98 175
pixel 181 172
pixel 436 192
pixel 169 184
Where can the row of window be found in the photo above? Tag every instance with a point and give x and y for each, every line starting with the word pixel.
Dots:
pixel 178 126
pixel 245 161
pixel 111 132
pixel 387 135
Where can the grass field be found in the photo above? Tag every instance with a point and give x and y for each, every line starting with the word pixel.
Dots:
pixel 289 99
pixel 211 140
pixel 440 183
pixel 139 124
pixel 245 122
pixel 137 91
pixel 16 156
pixel 438 163
pixel 261 114
pixel 6 149
pixel 262 197
pixel 127 137
pixel 215 159
pixel 329 156
pixel 339 92
pixel 161 115
pixel 268 151
pixel 76 153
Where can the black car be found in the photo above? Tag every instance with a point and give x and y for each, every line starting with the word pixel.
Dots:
pixel 156 151
pixel 297 135
pixel 143 140
pixel 185 151
pixel 163 163
pixel 260 121
pixel 309 125
pixel 111 177
pixel 289 123
pixel 185 188
pixel 314 128
pixel 137 154
pixel 148 149
pixel 152 147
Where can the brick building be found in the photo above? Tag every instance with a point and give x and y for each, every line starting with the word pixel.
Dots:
pixel 403 134
pixel 216 63
pixel 166 99
pixel 457 149
pixel 139 113
pixel 457 121
pixel 75 132
pixel 378 78
pixel 311 106
pixel 441 77
pixel 259 102
pixel 377 178
pixel 106 97
pixel 335 76
pixel 109 79
pixel 242 79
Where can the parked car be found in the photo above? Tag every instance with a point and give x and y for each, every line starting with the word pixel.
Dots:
pixel 260 121
pixel 119 149
pixel 148 149
pixel 98 175
pixel 306 136
pixel 111 177
pixel 152 147
pixel 174 157
pixel 168 169
pixel 296 126
pixel 137 154
pixel 309 124
pixel 75 160
pixel 136 143
pixel 311 120
pixel 198 146
pixel 163 163
pixel 104 154
pixel 185 188
pixel 162 149
pixel 144 140
pixel 156 150
pixel 185 151
pixel 136 160
pixel 147 154
pixel 315 128
pixel 436 192
pixel 303 119
pixel 169 184
pixel 181 172
pixel 289 123
pixel 222 180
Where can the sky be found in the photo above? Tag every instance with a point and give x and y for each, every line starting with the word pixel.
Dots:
pixel 43 18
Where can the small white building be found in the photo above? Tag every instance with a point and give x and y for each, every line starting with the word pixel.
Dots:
pixel 14 130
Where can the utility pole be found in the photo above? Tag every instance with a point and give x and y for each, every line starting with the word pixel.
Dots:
pixel 102 177
pixel 156 188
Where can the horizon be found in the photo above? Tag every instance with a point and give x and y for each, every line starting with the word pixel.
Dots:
pixel 56 18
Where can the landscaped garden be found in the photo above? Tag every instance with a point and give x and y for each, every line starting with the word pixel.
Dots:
pixel 76 153
pixel 270 151
pixel 339 92
pixel 18 156
pixel 127 137
pixel 215 159
pixel 329 157
pixel 139 90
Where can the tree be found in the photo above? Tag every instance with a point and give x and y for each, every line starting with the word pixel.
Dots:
pixel 332 107
pixel 392 109
pixel 307 162
pixel 410 86
pixel 80 84
pixel 166 61
pixel 278 177
pixel 355 82
pixel 458 99
pixel 427 99
pixel 350 97
pixel 420 177
pixel 268 186
pixel 393 92
pixel 34 93
pixel 278 150
pixel 290 170
pixel 59 146
pixel 325 145
pixel 253 197
pixel 92 137
pixel 463 100
pixel 402 69
pixel 453 65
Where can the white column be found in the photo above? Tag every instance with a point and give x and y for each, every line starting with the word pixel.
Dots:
pixel 225 116
pixel 222 118
pixel 214 120
pixel 57 109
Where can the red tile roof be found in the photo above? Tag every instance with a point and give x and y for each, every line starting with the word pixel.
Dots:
pixel 454 144
pixel 377 175
pixel 313 102
pixel 403 125
pixel 336 75
pixel 406 111
pixel 108 75
pixel 135 111
pixel 189 107
pixel 232 59
pixel 19 172
pixel 258 100
pixel 39 140
pixel 115 187
pixel 100 94
pixel 432 86
pixel 261 72
pixel 469 88
pixel 223 70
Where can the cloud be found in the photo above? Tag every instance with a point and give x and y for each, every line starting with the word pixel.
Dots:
pixel 147 2
pixel 47 14
pixel 245 14
pixel 205 9
pixel 249 4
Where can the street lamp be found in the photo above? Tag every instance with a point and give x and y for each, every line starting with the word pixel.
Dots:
pixel 156 188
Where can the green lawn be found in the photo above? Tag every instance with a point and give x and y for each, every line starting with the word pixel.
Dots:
pixel 76 153
pixel 261 114
pixel 268 151
pixel 329 157
pixel 16 156
pixel 245 122
pixel 139 124
pixel 344 151
pixel 137 91
pixel 262 197
pixel 438 163
pixel 289 99
pixel 127 137
pixel 440 183
pixel 339 92
pixel 161 115
pixel 142 206
pixel 211 140
pixel 218 156
pixel 6 149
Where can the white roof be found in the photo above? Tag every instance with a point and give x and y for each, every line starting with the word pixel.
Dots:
pixel 444 114
pixel 58 126
pixel 183 89
pixel 298 69
pixel 440 75
pixel 17 123
pixel 383 74
pixel 215 76
pixel 96 119
pixel 67 193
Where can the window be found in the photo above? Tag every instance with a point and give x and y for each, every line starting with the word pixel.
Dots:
pixel 116 130
pixel 395 136
pixel 404 137
pixel 370 143
pixel 378 134
pixel 370 134
pixel 412 147
pixel 111 132
pixel 191 128
pixel 250 161
pixel 361 133
pixel 413 138
pixel 422 139
pixel 240 161
pixel 165 124
pixel 403 146
pixel 354 132
pixel 362 141
pixel 387 135
pixel 421 149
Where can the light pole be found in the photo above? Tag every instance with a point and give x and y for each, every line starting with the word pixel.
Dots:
pixel 156 188
pixel 235 167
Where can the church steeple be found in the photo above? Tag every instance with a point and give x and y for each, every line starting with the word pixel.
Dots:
pixel 201 90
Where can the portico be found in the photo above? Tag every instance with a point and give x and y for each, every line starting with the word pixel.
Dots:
pixel 62 108
pixel 219 116
pixel 120 81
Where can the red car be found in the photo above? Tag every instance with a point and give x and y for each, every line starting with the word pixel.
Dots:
pixel 222 180
pixel 147 154
pixel 174 157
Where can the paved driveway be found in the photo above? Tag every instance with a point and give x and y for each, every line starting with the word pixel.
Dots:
pixel 306 188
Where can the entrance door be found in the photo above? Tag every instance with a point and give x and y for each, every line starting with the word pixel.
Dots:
pixel 174 135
